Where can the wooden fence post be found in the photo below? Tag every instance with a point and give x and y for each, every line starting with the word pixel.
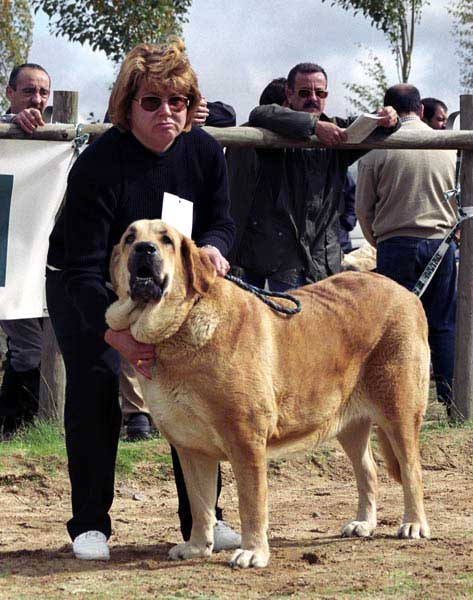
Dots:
pixel 53 378
pixel 463 378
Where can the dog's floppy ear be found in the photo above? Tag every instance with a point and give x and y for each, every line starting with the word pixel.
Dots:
pixel 114 258
pixel 200 270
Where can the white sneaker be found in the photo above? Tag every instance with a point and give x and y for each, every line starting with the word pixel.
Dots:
pixel 225 538
pixel 91 545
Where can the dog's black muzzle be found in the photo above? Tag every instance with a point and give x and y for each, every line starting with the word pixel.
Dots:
pixel 145 265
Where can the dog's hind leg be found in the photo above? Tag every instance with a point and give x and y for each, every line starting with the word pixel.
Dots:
pixel 355 440
pixel 400 404
pixel 200 474
pixel 250 470
pixel 397 386
pixel 403 435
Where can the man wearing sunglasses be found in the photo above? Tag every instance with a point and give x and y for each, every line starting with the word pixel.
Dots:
pixel 291 236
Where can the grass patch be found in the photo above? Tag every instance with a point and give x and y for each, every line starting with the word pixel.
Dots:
pixel 465 580
pixel 445 425
pixel 42 447
pixel 402 583
pixel 321 457
pixel 38 441
pixel 132 454
pixel 430 428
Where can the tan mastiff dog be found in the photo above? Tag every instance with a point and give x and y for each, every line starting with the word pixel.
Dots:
pixel 237 381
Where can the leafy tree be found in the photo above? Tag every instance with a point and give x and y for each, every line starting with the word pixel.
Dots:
pixel 367 98
pixel 114 26
pixel 16 36
pixel 462 12
pixel 397 19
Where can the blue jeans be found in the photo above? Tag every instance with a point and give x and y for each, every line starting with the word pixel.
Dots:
pixel 404 259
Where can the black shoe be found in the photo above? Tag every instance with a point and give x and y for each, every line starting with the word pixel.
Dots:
pixel 138 427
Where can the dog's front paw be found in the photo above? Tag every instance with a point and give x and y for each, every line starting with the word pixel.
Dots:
pixel 249 558
pixel 188 550
pixel 358 529
pixel 414 530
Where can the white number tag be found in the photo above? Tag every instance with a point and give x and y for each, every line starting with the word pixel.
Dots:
pixel 178 213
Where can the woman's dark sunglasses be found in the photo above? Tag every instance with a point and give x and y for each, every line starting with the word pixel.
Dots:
pixel 152 103
pixel 308 93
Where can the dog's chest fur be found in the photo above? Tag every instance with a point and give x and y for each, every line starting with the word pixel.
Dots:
pixel 181 415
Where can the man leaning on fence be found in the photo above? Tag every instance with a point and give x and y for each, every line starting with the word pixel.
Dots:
pixel 28 93
pixel 401 209
pixel 291 236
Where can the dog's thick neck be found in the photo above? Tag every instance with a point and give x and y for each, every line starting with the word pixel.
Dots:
pixel 154 323
pixel 159 322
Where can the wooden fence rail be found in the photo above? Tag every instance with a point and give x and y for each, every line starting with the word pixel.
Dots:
pixel 260 138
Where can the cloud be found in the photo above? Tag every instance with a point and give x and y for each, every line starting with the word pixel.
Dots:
pixel 238 47
pixel 73 67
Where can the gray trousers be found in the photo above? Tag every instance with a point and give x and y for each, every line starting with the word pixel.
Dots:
pixel 130 391
pixel 25 342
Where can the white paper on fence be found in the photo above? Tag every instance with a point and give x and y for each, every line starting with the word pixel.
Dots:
pixel 178 213
pixel 39 170
pixel 362 127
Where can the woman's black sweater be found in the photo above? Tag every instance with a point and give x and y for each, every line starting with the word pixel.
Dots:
pixel 116 181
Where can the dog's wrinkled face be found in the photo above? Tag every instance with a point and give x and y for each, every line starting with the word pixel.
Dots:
pixel 144 260
pixel 153 261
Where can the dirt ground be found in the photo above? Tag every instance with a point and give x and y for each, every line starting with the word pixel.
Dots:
pixel 311 496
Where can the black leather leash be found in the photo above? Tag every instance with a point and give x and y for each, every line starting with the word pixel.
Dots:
pixel 261 294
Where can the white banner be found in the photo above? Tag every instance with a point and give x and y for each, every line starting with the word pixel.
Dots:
pixel 33 176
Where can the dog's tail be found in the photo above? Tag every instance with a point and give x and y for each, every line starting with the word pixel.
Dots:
pixel 392 463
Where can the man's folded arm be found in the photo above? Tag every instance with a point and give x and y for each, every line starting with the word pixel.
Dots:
pixel 285 121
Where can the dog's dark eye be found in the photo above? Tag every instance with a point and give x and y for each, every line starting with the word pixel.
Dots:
pixel 167 240
pixel 130 238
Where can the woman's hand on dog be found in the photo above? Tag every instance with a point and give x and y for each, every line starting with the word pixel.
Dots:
pixel 140 356
pixel 220 263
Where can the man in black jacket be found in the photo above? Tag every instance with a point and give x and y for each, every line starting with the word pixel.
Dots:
pixel 291 201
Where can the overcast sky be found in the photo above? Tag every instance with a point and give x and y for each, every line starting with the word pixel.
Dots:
pixel 237 47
